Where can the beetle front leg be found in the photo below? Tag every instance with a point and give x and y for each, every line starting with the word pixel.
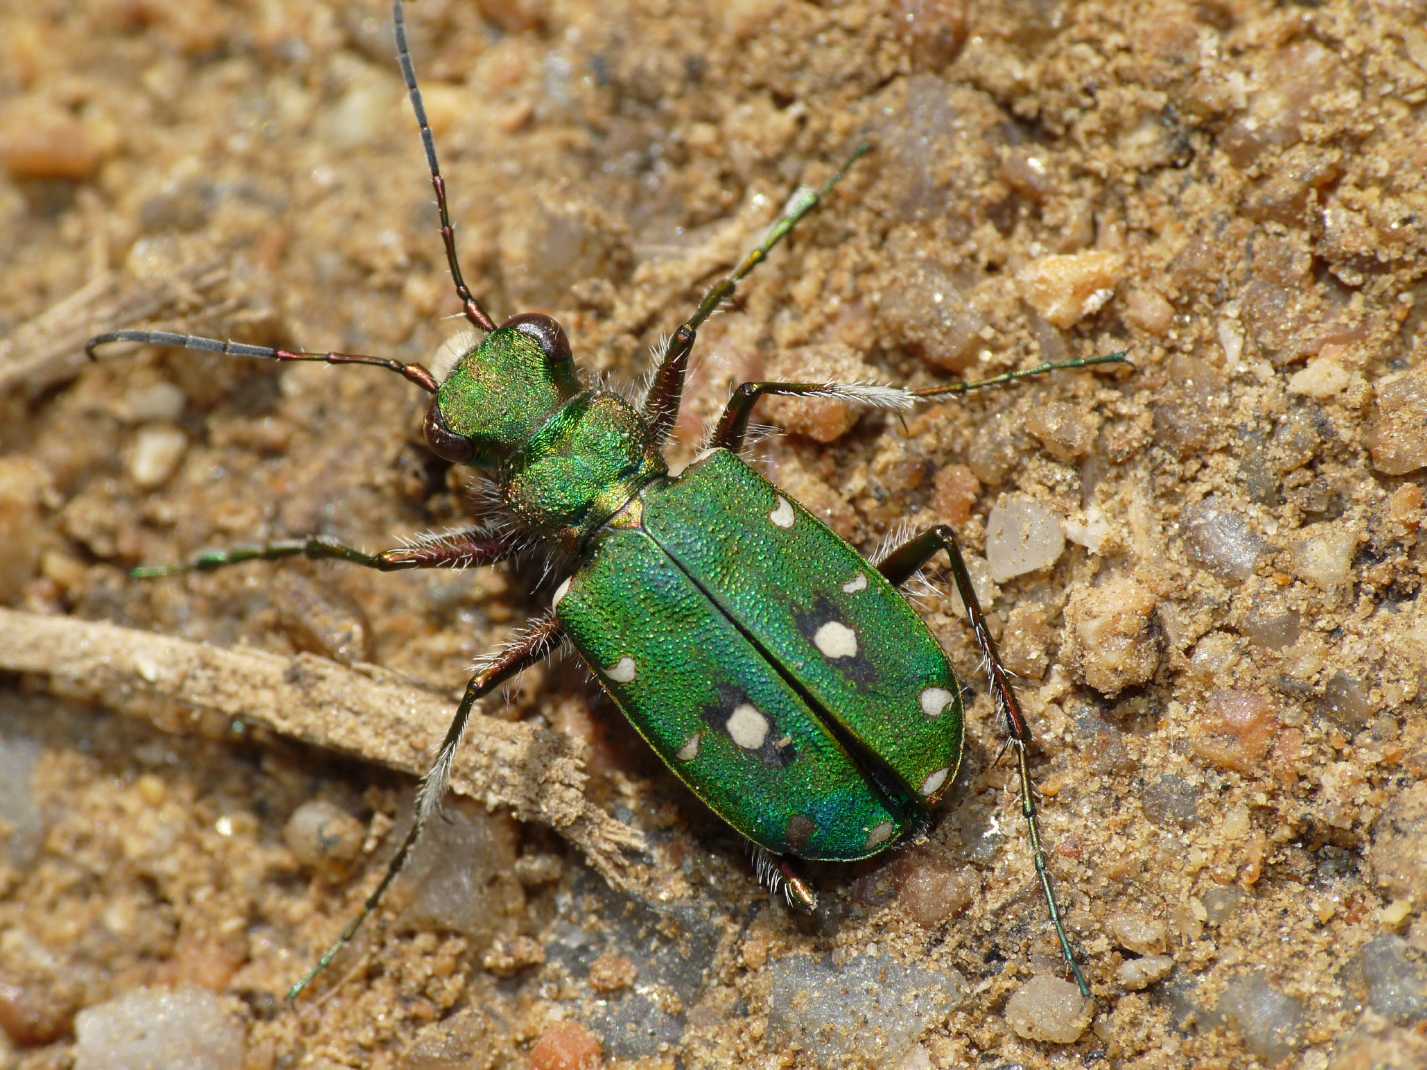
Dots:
pixel 666 386
pixel 457 549
pixel 533 647
pixel 899 566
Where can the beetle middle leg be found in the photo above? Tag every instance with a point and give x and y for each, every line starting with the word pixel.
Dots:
pixel 535 646
pixel 458 549
pixel 898 567
pixel 732 426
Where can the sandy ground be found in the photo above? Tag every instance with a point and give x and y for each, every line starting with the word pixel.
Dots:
pixel 1223 659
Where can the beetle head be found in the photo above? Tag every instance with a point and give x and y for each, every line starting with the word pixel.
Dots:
pixel 501 391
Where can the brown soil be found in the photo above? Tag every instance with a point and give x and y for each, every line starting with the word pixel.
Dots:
pixel 1223 666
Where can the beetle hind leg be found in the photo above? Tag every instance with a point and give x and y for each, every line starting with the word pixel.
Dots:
pixel 899 566
pixel 779 875
pixel 534 646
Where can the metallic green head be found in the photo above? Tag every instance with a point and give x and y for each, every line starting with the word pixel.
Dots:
pixel 500 393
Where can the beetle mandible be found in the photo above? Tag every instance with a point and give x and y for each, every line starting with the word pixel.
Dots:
pixel 778 673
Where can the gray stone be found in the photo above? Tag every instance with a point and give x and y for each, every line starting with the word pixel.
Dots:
pixel 150 1027
pixel 871 1006
pixel 1270 1022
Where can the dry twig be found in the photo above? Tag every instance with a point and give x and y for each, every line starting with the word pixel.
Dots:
pixel 502 764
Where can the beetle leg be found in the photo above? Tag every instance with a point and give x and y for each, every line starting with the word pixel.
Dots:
pixel 536 645
pixel 666 385
pixel 901 564
pixel 778 874
pixel 733 424
pixel 460 549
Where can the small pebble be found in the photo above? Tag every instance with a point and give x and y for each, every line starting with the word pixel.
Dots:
pixel 1323 554
pixel 39 140
pixel 1221 903
pixel 928 312
pixel 358 116
pixel 931 892
pixel 459 875
pixel 320 618
pixel 612 972
pixel 322 835
pixel 516 16
pixel 1272 627
pixel 932 31
pixel 1270 1023
pixel 1397 431
pixel 567 1046
pixel 1321 379
pixel 155 455
pixel 1346 703
pixel 1022 535
pixel 1049 1009
pixel 1148 311
pixel 1065 289
pixel 1114 639
pixel 1137 974
pixel 1237 729
pixel 954 494
pixel 1171 801
pixel 32 1012
pixel 152 1027
pixel 1397 856
pixel 23 486
pixel 1066 431
pixel 162 402
pixel 865 1010
pixel 20 810
pixel 1136 932
pixel 1221 540
pixel 1395 976
pixel 533 870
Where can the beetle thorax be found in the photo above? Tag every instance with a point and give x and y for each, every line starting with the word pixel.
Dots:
pixel 584 465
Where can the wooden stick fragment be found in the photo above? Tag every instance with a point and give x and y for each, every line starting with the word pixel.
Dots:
pixel 536 775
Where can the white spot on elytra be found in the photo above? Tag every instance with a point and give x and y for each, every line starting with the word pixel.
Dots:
pixel 690 750
pixel 560 592
pixel 934 700
pixel 879 835
pixel 857 583
pixel 783 515
pixel 622 672
pixel 933 783
pixel 748 727
pixel 836 640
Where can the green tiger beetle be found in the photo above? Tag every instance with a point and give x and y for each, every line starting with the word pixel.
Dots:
pixel 776 671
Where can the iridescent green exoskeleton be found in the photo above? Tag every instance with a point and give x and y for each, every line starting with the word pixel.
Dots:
pixel 776 671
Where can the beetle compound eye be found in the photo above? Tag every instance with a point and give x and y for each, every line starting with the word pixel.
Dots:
pixel 545 330
pixel 444 442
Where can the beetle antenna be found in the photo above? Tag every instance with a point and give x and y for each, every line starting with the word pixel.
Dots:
pixel 1027 373
pixel 469 305
pixel 803 202
pixel 412 373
